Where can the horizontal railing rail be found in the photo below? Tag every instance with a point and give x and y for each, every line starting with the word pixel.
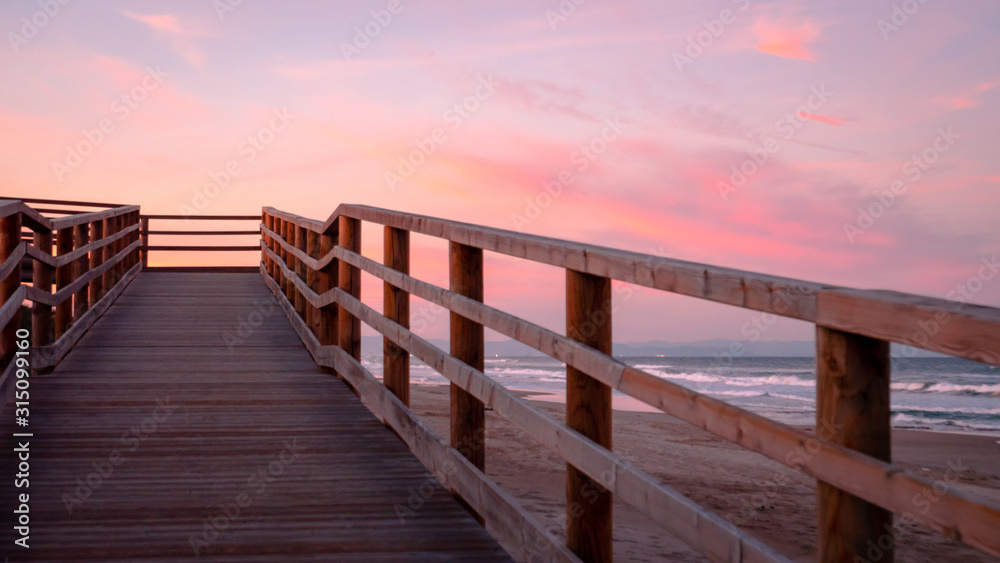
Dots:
pixel 89 258
pixel 147 232
pixel 314 268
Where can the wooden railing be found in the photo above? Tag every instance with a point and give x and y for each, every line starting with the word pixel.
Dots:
pixel 89 257
pixel 146 232
pixel 314 269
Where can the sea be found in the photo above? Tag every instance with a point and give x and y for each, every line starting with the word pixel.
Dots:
pixel 941 394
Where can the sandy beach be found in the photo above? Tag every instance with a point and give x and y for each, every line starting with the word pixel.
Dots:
pixel 737 484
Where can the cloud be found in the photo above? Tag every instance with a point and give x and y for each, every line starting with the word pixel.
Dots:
pixel 178 38
pixel 968 99
pixel 831 119
pixel 789 41
pixel 162 22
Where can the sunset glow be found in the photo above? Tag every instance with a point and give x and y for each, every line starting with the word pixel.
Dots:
pixel 825 141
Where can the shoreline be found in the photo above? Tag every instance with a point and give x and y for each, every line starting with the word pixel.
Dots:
pixel 767 499
pixel 625 403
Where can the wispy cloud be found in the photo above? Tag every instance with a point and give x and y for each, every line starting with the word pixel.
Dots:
pixel 789 41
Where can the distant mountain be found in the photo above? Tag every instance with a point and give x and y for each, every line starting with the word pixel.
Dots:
pixel 696 349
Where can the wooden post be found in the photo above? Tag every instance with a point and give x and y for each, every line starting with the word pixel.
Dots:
pixel 10 239
pixel 279 276
pixel 289 236
pixel 327 279
pixel 396 362
pixel 588 411
pixel 300 271
pixel 145 242
pixel 109 252
pixel 41 278
pixel 81 236
pixel 120 266
pixel 312 280
pixel 64 277
pixel 350 281
pixel 265 219
pixel 468 415
pixel 96 259
pixel 852 409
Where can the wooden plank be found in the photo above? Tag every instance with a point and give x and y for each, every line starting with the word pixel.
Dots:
pixel 180 248
pixel 205 217
pixel 468 415
pixel 74 220
pixel 956 328
pixel 339 498
pixel 64 202
pixel 589 524
pixel 852 409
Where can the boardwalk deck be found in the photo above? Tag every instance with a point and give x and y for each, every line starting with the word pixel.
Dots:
pixel 234 448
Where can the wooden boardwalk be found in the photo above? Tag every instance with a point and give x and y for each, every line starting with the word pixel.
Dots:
pixel 190 420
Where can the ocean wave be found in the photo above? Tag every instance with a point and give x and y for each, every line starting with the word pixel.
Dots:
pixel 948 388
pixel 903 420
pixel 947 410
pixel 699 377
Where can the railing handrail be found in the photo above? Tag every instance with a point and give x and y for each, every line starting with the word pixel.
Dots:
pixel 972 332
pixel 295 259
pixel 90 257
pixel 146 233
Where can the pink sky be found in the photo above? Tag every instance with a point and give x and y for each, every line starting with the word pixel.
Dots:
pixel 649 109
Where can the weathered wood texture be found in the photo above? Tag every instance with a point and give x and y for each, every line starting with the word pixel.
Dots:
pixel 589 524
pixel 194 396
pixel 468 414
pixel 396 304
pixel 852 409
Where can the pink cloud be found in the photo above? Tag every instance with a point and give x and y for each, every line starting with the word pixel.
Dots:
pixel 831 119
pixel 786 41
pixel 968 99
pixel 162 22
